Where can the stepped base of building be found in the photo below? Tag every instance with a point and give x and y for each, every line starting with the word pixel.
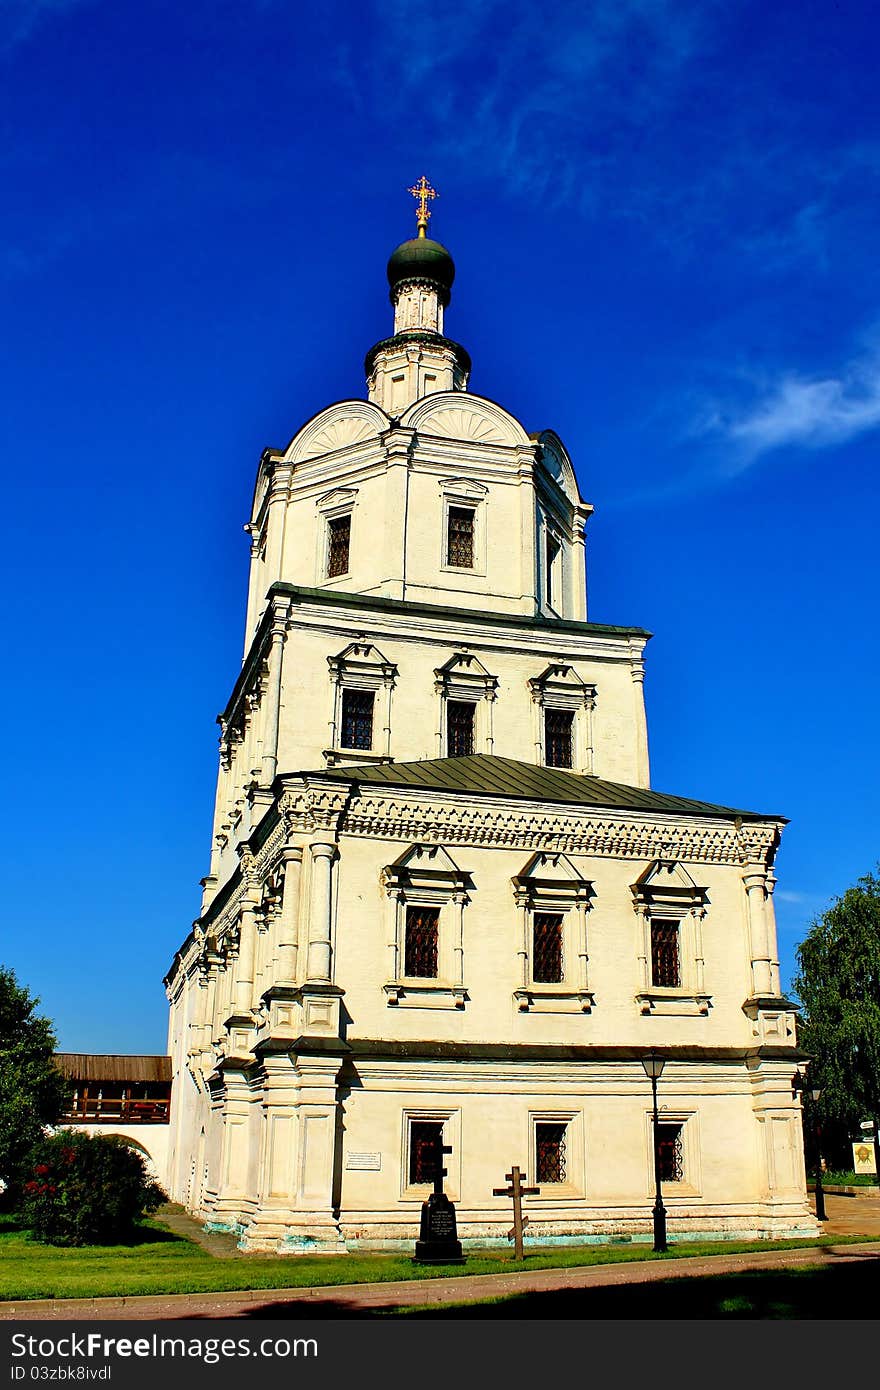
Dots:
pixel 270 1234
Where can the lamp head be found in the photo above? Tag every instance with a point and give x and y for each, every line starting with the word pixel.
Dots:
pixel 653 1066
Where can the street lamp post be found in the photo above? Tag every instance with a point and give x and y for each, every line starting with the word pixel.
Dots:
pixel 654 1070
pixel 815 1093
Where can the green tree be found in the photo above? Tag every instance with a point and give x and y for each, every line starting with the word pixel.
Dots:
pixel 32 1089
pixel 838 984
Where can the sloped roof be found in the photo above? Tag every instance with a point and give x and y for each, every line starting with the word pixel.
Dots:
pixel 484 774
pixel 112 1066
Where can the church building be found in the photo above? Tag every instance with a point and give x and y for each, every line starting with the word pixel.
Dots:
pixel 443 898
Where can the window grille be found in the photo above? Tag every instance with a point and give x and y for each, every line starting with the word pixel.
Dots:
pixel 547 952
pixel 670 1153
pixel 339 540
pixel 665 957
pixel 558 725
pixel 357 719
pixel 459 728
pixel 423 1144
pixel 420 947
pixel 550 1152
pixel 460 538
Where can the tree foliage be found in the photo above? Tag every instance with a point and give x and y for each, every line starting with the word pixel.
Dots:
pixel 86 1189
pixel 838 984
pixel 32 1089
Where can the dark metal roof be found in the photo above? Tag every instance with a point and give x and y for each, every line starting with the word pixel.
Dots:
pixel 112 1066
pixel 485 774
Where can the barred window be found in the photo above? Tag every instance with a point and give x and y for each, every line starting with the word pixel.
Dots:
pixel 425 1137
pixel 460 538
pixel 459 728
pixel 420 946
pixel 547 948
pixel 357 719
pixel 670 1152
pixel 558 726
pixel 338 543
pixel 550 1152
pixel 665 955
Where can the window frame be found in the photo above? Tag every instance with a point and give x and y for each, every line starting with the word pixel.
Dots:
pixel 334 506
pixel 464 679
pixel 690 1183
pixel 330 522
pixel 460 704
pixel 559 687
pixel 552 712
pixel 350 693
pixel 668 919
pixel 551 884
pixel 453 512
pixel 425 876
pixel 360 666
pixel 465 494
pixel 412 908
pixel 450 1118
pixel 665 891
pixel 574 1184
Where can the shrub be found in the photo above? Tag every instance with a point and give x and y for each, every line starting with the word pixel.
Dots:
pixel 87 1189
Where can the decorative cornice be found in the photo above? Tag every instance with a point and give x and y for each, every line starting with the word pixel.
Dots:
pixel 418 337
pixel 437 612
pixel 443 819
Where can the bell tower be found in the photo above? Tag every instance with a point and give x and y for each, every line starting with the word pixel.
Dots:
pixel 418 360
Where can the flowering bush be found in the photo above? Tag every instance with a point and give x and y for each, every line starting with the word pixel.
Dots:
pixel 87 1189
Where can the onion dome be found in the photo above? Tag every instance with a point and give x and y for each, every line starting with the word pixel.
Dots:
pixel 422 259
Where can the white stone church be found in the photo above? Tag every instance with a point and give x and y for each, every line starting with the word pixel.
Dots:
pixel 442 893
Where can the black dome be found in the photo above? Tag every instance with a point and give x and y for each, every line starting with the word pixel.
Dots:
pixel 421 259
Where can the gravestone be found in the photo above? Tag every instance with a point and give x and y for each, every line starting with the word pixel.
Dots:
pixel 438 1242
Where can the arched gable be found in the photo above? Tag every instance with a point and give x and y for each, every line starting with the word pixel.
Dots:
pixel 337 427
pixel 459 415
pixel 555 459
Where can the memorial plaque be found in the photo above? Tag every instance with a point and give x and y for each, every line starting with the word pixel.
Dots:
pixel 364 1163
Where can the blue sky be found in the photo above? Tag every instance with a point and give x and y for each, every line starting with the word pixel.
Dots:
pixel 665 217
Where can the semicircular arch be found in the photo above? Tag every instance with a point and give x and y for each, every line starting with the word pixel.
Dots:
pixel 337 427
pixel 459 415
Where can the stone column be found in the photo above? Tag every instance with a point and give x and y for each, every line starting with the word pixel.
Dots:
pixel 525 944
pixel 590 759
pixel 528 576
pixel 320 909
pixel 754 880
pixel 490 721
pixel 243 989
pixel 643 772
pixel 288 926
pixel 770 913
pixel 459 901
pixel 272 714
pixel 387 687
pixel 583 908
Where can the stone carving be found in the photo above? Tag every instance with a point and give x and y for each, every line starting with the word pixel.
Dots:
pixel 350 422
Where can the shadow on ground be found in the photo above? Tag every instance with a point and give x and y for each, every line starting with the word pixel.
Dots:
pixel 838 1291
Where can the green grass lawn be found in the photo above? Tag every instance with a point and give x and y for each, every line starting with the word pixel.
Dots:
pixel 161 1262
pixel 845 1179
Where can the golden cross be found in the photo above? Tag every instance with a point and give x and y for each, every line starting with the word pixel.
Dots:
pixel 423 191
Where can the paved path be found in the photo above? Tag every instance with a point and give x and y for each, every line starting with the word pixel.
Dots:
pixel 862 1215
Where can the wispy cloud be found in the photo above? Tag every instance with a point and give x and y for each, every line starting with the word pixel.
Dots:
pixel 797 410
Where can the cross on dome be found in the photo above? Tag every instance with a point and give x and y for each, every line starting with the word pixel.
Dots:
pixel 423 192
